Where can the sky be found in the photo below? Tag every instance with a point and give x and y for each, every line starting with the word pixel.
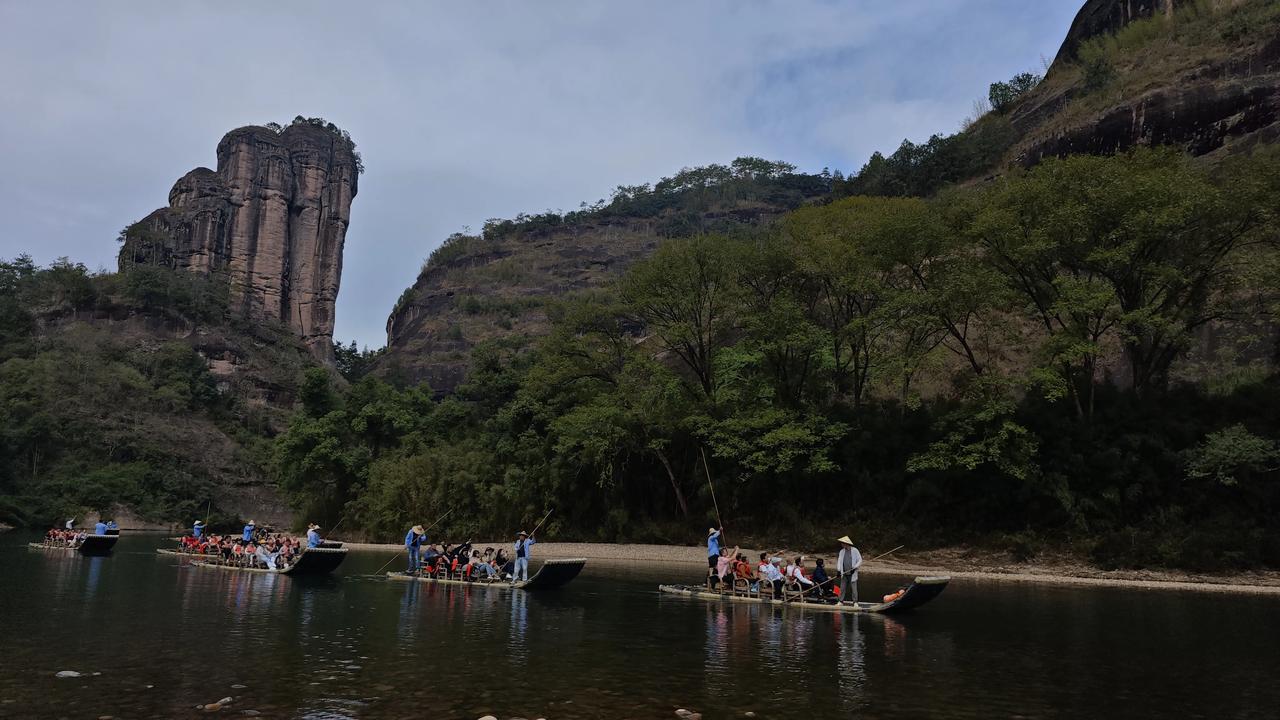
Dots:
pixel 469 111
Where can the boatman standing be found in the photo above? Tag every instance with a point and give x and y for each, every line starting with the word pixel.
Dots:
pixel 197 530
pixel 247 534
pixel 847 564
pixel 713 547
pixel 99 528
pixel 313 536
pixel 413 543
pixel 71 524
pixel 523 544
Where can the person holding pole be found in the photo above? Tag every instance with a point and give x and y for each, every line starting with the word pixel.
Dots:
pixel 413 543
pixel 523 544
pixel 847 564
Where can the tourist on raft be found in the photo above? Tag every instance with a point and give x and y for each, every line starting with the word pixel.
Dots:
pixel 723 572
pixel 522 546
pixel 769 573
pixel 797 578
pixel 820 578
pixel 413 542
pixel 847 564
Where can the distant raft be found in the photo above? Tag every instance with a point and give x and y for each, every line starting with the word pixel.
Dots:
pixel 552 574
pixel 311 561
pixel 919 592
pixel 91 545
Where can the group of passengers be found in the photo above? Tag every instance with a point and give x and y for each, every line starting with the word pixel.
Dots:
pixel 65 538
pixel 253 548
pixel 462 561
pixel 69 536
pixel 729 571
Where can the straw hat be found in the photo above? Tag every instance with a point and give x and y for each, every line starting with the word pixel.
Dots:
pixel 200 523
pixel 418 529
pixel 251 523
pixel 711 531
pixel 845 540
pixel 524 534
pixel 313 526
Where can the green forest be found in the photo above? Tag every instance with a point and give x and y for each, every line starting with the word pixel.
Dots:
pixel 1078 356
pixel 1081 355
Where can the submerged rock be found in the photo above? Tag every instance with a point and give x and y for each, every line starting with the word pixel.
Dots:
pixel 68 674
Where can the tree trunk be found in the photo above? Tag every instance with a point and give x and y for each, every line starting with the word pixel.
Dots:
pixel 684 505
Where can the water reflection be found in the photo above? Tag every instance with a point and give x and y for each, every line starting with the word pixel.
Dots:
pixel 602 647
pixel 851 661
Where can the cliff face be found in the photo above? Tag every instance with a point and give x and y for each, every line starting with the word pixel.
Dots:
pixel 1205 76
pixel 272 219
pixel 498 286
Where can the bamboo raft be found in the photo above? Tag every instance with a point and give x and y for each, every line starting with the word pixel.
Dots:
pixel 92 545
pixel 919 592
pixel 553 574
pixel 311 561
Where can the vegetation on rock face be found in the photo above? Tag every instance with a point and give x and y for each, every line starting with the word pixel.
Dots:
pixel 1009 361
pixel 106 397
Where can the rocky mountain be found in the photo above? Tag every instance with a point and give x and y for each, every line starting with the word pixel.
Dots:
pixel 271 220
pixel 1204 75
pixel 497 285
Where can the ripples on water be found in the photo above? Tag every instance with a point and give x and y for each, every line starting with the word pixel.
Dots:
pixel 166 636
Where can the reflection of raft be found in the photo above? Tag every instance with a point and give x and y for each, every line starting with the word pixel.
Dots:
pixel 92 545
pixel 917 593
pixel 312 561
pixel 552 574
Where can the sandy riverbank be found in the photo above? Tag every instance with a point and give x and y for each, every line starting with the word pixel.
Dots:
pixel 958 563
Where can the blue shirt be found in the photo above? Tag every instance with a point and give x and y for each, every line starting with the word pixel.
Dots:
pixel 522 548
pixel 112 525
pixel 713 543
pixel 414 540
pixel 197 530
pixel 100 528
pixel 248 533
pixel 313 539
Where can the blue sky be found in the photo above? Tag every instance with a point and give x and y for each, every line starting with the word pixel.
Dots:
pixel 470 111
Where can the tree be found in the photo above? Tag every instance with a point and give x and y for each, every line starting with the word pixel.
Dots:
pixel 684 294
pixel 1002 95
pixel 1140 249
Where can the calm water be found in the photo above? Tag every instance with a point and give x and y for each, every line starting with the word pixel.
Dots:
pixel 166 636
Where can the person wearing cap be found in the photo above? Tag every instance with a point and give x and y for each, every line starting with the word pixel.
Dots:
pixel 413 541
pixel 313 536
pixel 713 547
pixel 847 564
pixel 197 530
pixel 523 543
pixel 247 534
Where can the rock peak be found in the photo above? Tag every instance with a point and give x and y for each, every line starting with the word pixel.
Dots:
pixel 272 218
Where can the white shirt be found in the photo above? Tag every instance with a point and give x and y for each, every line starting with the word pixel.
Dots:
pixel 770 572
pixel 794 571
pixel 849 560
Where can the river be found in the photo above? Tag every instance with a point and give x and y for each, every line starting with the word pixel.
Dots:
pixel 166 636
